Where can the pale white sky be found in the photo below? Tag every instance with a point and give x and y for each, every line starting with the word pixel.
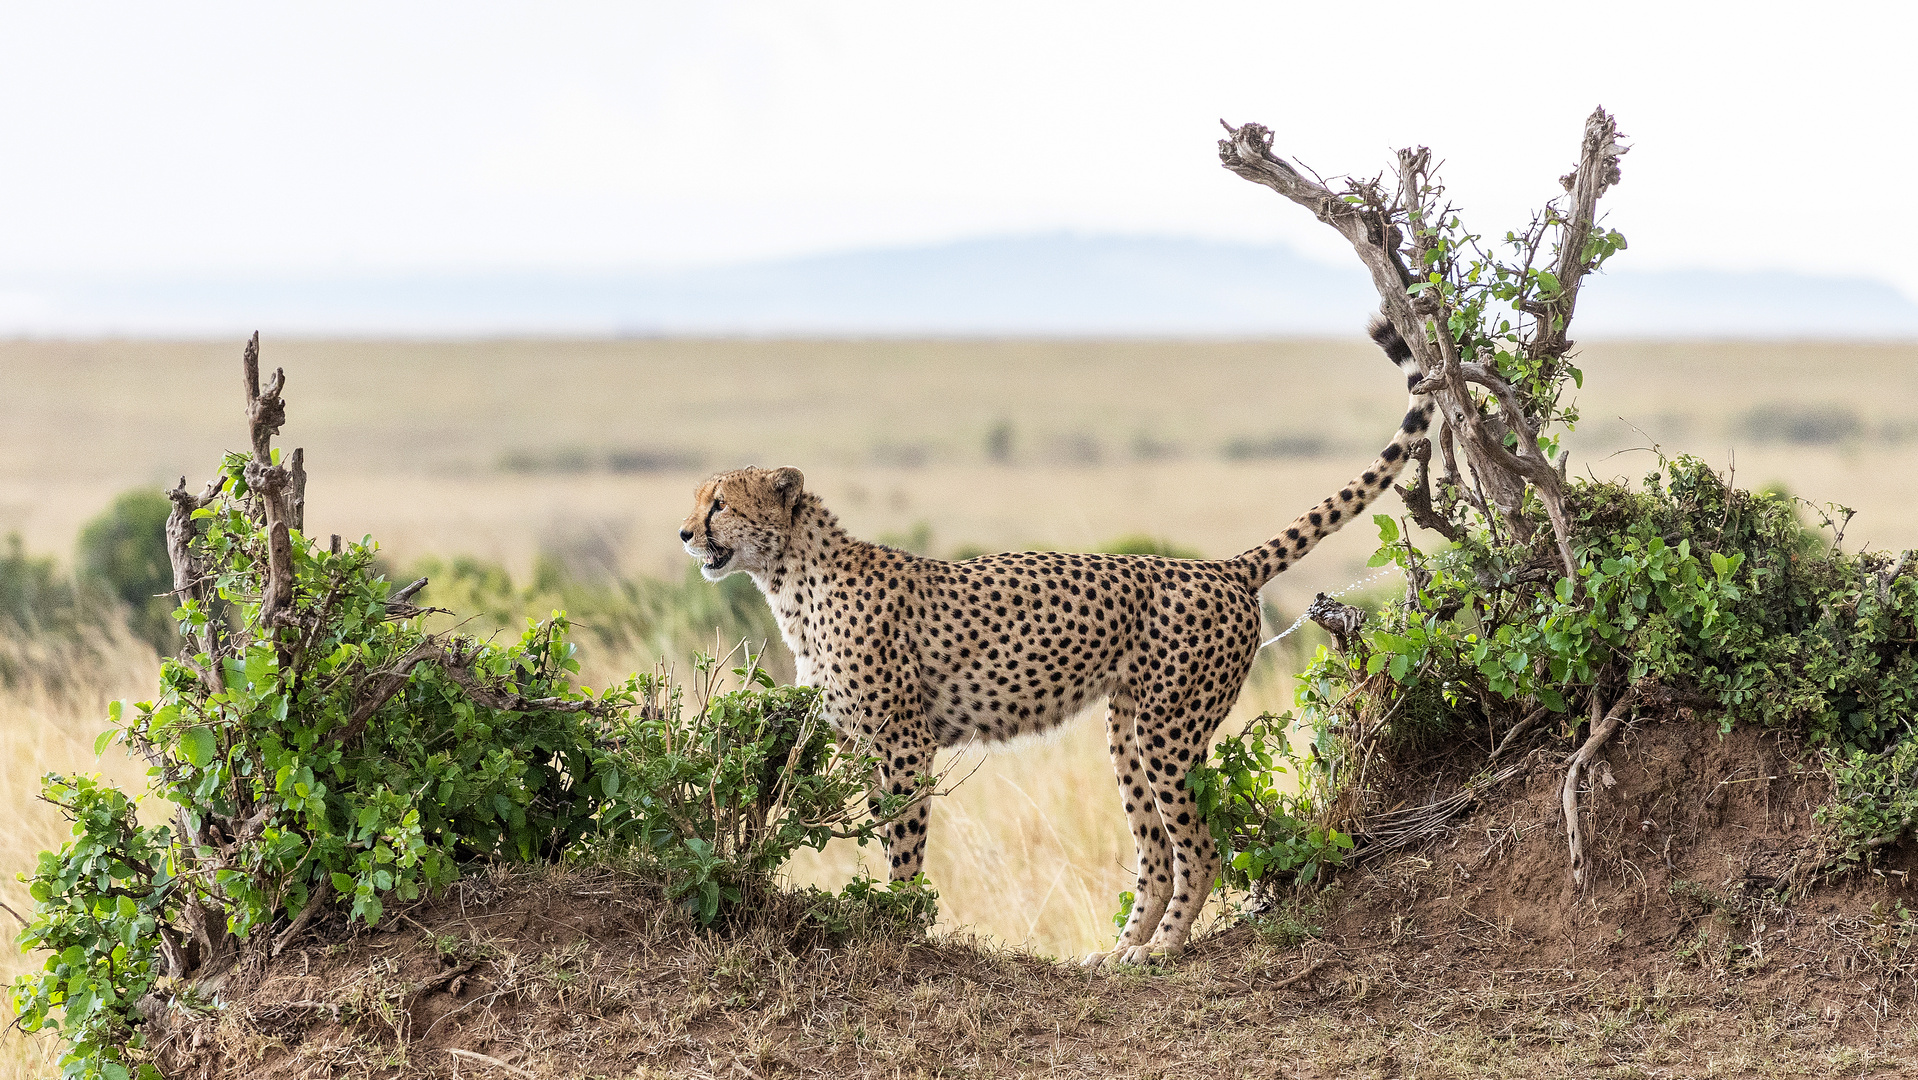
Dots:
pixel 141 138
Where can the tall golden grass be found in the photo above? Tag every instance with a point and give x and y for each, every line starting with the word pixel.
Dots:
pixel 1029 848
pixel 50 726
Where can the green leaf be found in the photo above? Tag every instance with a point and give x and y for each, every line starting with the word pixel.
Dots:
pixel 199 746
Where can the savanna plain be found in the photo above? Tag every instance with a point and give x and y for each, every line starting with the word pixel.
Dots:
pixel 534 461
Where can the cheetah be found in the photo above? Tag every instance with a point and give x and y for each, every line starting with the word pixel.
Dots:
pixel 917 654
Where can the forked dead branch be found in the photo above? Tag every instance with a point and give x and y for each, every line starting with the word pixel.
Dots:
pixel 1499 379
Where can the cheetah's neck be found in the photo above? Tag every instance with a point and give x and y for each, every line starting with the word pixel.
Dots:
pixel 796 586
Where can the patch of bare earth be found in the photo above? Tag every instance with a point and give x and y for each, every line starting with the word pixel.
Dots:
pixel 1471 955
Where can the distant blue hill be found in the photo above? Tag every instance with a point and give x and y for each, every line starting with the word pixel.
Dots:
pixel 1039 285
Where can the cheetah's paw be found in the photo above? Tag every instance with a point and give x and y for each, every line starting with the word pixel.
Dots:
pixel 1147 955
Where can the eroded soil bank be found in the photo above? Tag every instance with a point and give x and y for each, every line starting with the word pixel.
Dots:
pixel 1470 955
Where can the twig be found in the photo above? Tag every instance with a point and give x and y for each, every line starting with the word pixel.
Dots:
pixel 314 902
pixel 406 593
pixel 1310 969
pixel 1518 729
pixel 474 1055
pixel 1418 495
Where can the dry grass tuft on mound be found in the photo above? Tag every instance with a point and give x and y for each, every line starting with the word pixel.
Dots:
pixel 587 973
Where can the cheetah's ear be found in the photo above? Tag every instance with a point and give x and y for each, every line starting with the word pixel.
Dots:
pixel 789 484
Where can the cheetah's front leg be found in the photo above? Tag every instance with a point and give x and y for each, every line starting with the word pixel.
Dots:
pixel 904 767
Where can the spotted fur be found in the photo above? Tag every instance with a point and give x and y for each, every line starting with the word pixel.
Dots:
pixel 919 654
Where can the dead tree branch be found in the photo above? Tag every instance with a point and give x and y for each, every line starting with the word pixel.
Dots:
pixel 1418 495
pixel 1382 233
pixel 278 487
pixel 1597 172
pixel 1342 621
pixel 190 581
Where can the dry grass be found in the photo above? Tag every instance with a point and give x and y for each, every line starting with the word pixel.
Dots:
pixel 406 440
pixel 582 972
pixel 44 730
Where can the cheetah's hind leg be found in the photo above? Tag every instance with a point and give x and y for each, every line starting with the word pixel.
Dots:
pixel 1154 885
pixel 1195 857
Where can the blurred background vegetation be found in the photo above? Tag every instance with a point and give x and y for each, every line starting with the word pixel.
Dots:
pixel 521 477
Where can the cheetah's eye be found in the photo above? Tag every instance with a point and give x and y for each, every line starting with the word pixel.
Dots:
pixel 718 505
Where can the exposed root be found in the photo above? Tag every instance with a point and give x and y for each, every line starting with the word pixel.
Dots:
pixel 1603 728
pixel 1310 970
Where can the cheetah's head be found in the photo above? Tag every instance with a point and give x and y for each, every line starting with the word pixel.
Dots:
pixel 741 519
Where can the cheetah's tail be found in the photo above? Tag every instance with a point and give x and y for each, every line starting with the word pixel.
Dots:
pixel 1270 559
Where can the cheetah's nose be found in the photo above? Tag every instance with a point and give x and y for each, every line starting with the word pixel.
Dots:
pixel 685 535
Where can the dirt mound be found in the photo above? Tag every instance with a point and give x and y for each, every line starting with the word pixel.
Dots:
pixel 1692 836
pixel 1469 955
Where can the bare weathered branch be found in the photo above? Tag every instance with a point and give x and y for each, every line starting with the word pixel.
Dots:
pixel 1248 153
pixel 1370 224
pixel 1597 173
pixel 315 900
pixel 265 412
pixel 189 578
pixel 1342 621
pixel 280 490
pixel 1418 495
pixel 1906 560
pixel 296 493
pixel 407 593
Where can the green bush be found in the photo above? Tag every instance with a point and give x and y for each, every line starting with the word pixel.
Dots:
pixel 1688 590
pixel 343 756
pixel 1719 593
pixel 718 798
pixel 1722 599
pixel 1265 833
pixel 124 551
